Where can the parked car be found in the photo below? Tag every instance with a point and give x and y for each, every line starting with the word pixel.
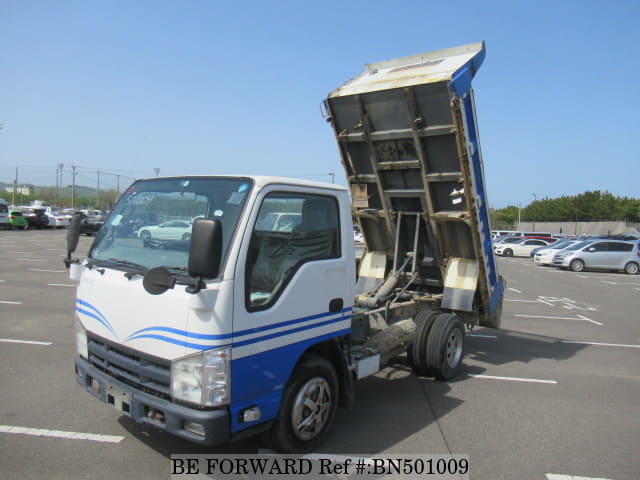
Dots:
pixel 544 255
pixel 521 248
pixel 357 235
pixel 90 225
pixel 617 255
pixel 17 220
pixel 171 230
pixel 36 217
pixel 507 239
pixel 58 220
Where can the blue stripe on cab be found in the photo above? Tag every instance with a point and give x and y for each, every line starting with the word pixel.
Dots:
pixel 289 332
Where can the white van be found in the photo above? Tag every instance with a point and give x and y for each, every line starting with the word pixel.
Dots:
pixel 4 214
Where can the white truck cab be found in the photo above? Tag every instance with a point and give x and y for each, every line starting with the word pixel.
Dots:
pixel 255 320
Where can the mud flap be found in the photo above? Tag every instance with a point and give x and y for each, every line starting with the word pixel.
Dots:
pixel 460 283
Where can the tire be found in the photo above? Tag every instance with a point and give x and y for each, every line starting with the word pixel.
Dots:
pixel 145 235
pixel 445 346
pixel 186 236
pixel 416 351
pixel 631 268
pixel 313 377
pixel 507 253
pixel 577 265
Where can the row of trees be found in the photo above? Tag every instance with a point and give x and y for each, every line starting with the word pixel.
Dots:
pixel 593 206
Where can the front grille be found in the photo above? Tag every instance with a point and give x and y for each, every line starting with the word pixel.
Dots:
pixel 144 372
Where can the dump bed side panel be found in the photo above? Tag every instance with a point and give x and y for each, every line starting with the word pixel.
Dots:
pixel 408 140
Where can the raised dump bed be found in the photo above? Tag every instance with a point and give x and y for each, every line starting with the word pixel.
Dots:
pixel 408 140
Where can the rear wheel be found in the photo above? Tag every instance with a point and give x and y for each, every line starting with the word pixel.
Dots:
pixel 416 351
pixel 577 265
pixel 445 346
pixel 631 268
pixel 508 253
pixel 308 406
pixel 186 236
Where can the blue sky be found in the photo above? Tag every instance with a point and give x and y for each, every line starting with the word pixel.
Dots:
pixel 216 87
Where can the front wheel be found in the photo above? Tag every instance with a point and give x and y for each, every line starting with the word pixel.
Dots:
pixel 145 235
pixel 186 236
pixel 631 268
pixel 308 406
pixel 508 253
pixel 577 265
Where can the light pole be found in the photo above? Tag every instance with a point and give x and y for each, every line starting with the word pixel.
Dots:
pixel 535 199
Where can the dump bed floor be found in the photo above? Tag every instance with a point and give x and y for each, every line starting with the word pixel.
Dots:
pixel 408 141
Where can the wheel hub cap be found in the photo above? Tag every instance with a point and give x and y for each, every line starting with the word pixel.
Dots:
pixel 454 348
pixel 311 408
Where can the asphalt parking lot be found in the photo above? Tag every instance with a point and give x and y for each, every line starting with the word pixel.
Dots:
pixel 553 393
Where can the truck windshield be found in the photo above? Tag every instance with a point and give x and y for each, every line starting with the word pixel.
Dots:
pixel 150 226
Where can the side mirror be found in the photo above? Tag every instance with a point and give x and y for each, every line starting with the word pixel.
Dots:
pixel 205 252
pixel 73 236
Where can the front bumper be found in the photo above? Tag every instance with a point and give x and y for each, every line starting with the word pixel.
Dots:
pixel 562 262
pixel 145 408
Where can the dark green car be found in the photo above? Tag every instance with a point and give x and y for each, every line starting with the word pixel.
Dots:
pixel 17 220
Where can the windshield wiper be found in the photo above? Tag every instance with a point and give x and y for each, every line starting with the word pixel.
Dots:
pixel 180 269
pixel 127 263
pixel 134 268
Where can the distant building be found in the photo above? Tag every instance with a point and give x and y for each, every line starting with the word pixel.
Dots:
pixel 21 190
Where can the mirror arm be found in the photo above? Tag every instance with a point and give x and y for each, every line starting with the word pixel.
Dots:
pixel 196 286
pixel 68 261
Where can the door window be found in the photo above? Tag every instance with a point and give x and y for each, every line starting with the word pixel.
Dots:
pixel 598 247
pixel 291 229
pixel 620 247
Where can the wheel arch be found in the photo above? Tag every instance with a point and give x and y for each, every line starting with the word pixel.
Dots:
pixel 332 351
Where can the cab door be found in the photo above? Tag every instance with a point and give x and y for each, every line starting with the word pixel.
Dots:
pixel 597 255
pixel 293 288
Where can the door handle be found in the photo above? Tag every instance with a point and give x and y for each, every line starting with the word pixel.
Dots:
pixel 336 305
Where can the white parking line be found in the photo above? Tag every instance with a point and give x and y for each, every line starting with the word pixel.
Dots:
pixel 10 303
pixel 45 270
pixel 480 335
pixel 28 342
pixel 555 476
pixel 514 379
pixel 620 283
pixel 526 301
pixel 514 290
pixel 602 344
pixel 582 318
pixel 40 432
pixel 30 260
pixel 19 253
pixel 61 285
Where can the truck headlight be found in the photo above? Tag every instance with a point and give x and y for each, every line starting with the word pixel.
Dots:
pixel 203 379
pixel 81 339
